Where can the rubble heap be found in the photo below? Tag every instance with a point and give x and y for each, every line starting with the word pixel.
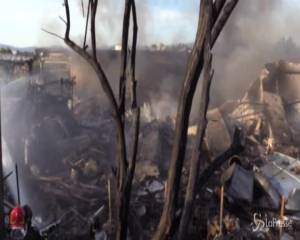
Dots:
pixel 67 157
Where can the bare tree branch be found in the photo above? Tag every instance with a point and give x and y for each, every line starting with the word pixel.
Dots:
pixel 127 182
pixel 122 233
pixel 94 6
pixel 122 167
pixel 51 33
pixel 135 144
pixel 93 61
pixel 62 19
pixel 219 25
pixel 133 56
pixel 67 9
pixel 197 150
pixel 217 8
pixel 125 174
pixel 124 52
pixel 86 25
pixel 82 8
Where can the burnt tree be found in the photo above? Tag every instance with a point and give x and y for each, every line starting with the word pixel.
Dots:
pixel 197 149
pixel 125 168
pixel 220 12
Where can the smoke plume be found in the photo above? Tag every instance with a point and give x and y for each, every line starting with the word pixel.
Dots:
pixel 258 32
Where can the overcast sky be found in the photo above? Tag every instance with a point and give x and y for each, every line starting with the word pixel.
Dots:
pixel 167 21
pixel 164 20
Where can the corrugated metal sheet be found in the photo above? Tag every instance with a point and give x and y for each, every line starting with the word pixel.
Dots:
pixel 279 172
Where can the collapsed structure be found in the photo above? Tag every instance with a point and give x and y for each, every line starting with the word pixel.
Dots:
pixel 265 178
pixel 66 153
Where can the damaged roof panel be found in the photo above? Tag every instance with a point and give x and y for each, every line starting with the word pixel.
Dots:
pixel 279 172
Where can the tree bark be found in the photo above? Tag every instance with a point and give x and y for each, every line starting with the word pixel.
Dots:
pixel 124 52
pixel 183 112
pixel 182 121
pixel 126 182
pixel 195 161
pixel 133 57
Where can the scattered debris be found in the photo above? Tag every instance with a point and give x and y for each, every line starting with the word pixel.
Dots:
pixel 65 147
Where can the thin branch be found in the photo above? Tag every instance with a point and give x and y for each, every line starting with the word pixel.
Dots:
pixel 52 33
pixel 82 8
pixel 133 56
pixel 86 25
pixel 131 167
pixel 217 8
pixel 124 52
pixel 62 19
pixel 68 27
pixel 126 192
pixel 219 25
pixel 136 123
pixel 122 81
pixel 135 144
pixel 94 5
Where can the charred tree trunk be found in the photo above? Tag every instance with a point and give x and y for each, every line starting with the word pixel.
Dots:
pixel 124 53
pixel 195 161
pixel 184 108
pixel 126 182
pixel 182 121
pixel 122 201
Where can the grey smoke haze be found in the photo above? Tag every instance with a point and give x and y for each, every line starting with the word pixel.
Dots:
pixel 259 31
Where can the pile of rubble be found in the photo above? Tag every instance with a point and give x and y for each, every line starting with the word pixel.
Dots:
pixel 262 185
pixel 67 159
